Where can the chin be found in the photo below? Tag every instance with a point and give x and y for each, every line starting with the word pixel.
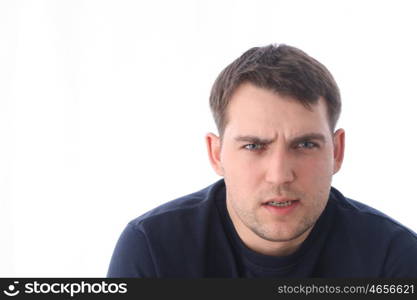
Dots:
pixel 286 235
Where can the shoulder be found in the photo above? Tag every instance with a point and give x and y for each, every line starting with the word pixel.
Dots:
pixel 185 209
pixel 375 236
pixel 360 214
pixel 166 235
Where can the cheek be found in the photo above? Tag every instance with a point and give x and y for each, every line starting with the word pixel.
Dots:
pixel 242 175
pixel 316 171
pixel 243 178
pixel 240 165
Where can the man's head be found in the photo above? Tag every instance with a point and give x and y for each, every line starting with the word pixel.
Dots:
pixel 276 109
pixel 282 69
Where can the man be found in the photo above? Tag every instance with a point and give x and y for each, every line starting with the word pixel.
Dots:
pixel 275 213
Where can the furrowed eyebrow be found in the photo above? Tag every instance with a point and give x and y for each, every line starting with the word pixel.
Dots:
pixel 253 139
pixel 309 137
pixel 258 140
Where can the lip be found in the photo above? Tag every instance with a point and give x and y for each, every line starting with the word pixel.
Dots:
pixel 280 199
pixel 280 211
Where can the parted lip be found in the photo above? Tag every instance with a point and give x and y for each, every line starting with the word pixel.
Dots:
pixel 279 199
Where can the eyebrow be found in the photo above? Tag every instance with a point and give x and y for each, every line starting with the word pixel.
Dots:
pixel 253 139
pixel 266 141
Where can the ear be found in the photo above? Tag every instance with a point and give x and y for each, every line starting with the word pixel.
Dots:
pixel 214 149
pixel 339 149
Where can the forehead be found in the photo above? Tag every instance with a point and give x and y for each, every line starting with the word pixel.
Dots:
pixel 258 111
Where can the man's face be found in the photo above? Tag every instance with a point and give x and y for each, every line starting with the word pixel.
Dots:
pixel 275 149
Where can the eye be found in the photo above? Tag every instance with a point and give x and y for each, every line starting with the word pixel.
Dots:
pixel 253 147
pixel 306 145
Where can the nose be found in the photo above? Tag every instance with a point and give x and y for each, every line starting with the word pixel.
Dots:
pixel 279 168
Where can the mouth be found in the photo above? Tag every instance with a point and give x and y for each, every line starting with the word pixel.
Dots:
pixel 281 206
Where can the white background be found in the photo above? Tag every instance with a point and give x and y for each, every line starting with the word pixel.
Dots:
pixel 104 108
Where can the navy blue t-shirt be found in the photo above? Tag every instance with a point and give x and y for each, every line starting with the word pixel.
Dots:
pixel 193 236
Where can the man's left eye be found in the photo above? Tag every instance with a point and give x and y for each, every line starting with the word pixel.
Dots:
pixel 307 145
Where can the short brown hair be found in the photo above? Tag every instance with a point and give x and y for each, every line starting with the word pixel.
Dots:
pixel 282 69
